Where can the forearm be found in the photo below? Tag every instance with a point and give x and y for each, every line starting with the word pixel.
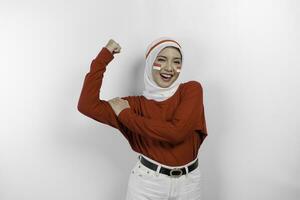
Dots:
pixel 172 132
pixel 89 96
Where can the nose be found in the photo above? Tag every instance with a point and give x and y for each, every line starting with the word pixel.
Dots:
pixel 169 67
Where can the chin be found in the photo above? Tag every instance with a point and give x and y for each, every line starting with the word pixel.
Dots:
pixel 163 84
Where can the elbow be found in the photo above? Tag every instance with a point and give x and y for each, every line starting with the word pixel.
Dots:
pixel 82 109
pixel 176 140
pixel 83 105
pixel 178 137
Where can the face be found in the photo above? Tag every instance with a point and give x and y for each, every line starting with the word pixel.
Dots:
pixel 166 67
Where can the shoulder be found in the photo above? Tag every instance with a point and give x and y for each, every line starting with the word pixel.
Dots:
pixel 192 86
pixel 191 92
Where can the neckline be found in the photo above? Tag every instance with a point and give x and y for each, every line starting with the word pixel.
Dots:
pixel 166 100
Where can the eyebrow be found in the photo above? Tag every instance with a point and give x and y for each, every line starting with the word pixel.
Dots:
pixel 166 57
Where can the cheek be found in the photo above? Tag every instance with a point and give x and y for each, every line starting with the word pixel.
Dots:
pixel 157 66
pixel 178 69
pixel 155 74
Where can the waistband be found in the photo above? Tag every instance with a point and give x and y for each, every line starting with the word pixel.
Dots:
pixel 167 166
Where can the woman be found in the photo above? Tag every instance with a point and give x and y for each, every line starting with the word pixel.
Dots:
pixel 166 125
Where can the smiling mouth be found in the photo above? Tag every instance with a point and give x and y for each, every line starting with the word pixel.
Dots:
pixel 166 77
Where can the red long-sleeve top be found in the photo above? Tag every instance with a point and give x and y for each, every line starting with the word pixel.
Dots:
pixel 170 131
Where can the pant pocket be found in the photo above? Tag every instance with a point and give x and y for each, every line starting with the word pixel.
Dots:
pixel 144 184
pixel 142 171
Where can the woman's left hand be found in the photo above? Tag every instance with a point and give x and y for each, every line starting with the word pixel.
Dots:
pixel 118 104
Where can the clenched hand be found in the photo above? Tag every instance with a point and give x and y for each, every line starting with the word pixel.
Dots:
pixel 118 104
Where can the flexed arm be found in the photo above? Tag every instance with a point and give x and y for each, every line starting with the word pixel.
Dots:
pixel 90 104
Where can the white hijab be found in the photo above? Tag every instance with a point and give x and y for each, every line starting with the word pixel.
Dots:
pixel 152 90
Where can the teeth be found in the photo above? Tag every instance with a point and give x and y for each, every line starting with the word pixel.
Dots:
pixel 166 75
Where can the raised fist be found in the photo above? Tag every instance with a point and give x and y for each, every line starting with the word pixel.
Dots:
pixel 113 46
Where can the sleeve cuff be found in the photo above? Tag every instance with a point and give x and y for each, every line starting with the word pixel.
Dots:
pixel 105 55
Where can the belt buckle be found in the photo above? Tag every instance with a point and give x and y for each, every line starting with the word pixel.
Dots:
pixel 176 169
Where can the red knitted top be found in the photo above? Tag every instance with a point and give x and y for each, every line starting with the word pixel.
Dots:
pixel 169 131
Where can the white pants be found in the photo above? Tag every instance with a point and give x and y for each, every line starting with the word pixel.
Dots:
pixel 146 184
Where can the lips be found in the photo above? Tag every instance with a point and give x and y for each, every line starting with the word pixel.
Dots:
pixel 166 77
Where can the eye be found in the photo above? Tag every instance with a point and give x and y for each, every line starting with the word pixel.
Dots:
pixel 161 59
pixel 177 62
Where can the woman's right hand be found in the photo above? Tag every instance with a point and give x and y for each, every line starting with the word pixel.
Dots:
pixel 113 46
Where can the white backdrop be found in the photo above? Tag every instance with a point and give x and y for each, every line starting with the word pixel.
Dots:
pixel 245 54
